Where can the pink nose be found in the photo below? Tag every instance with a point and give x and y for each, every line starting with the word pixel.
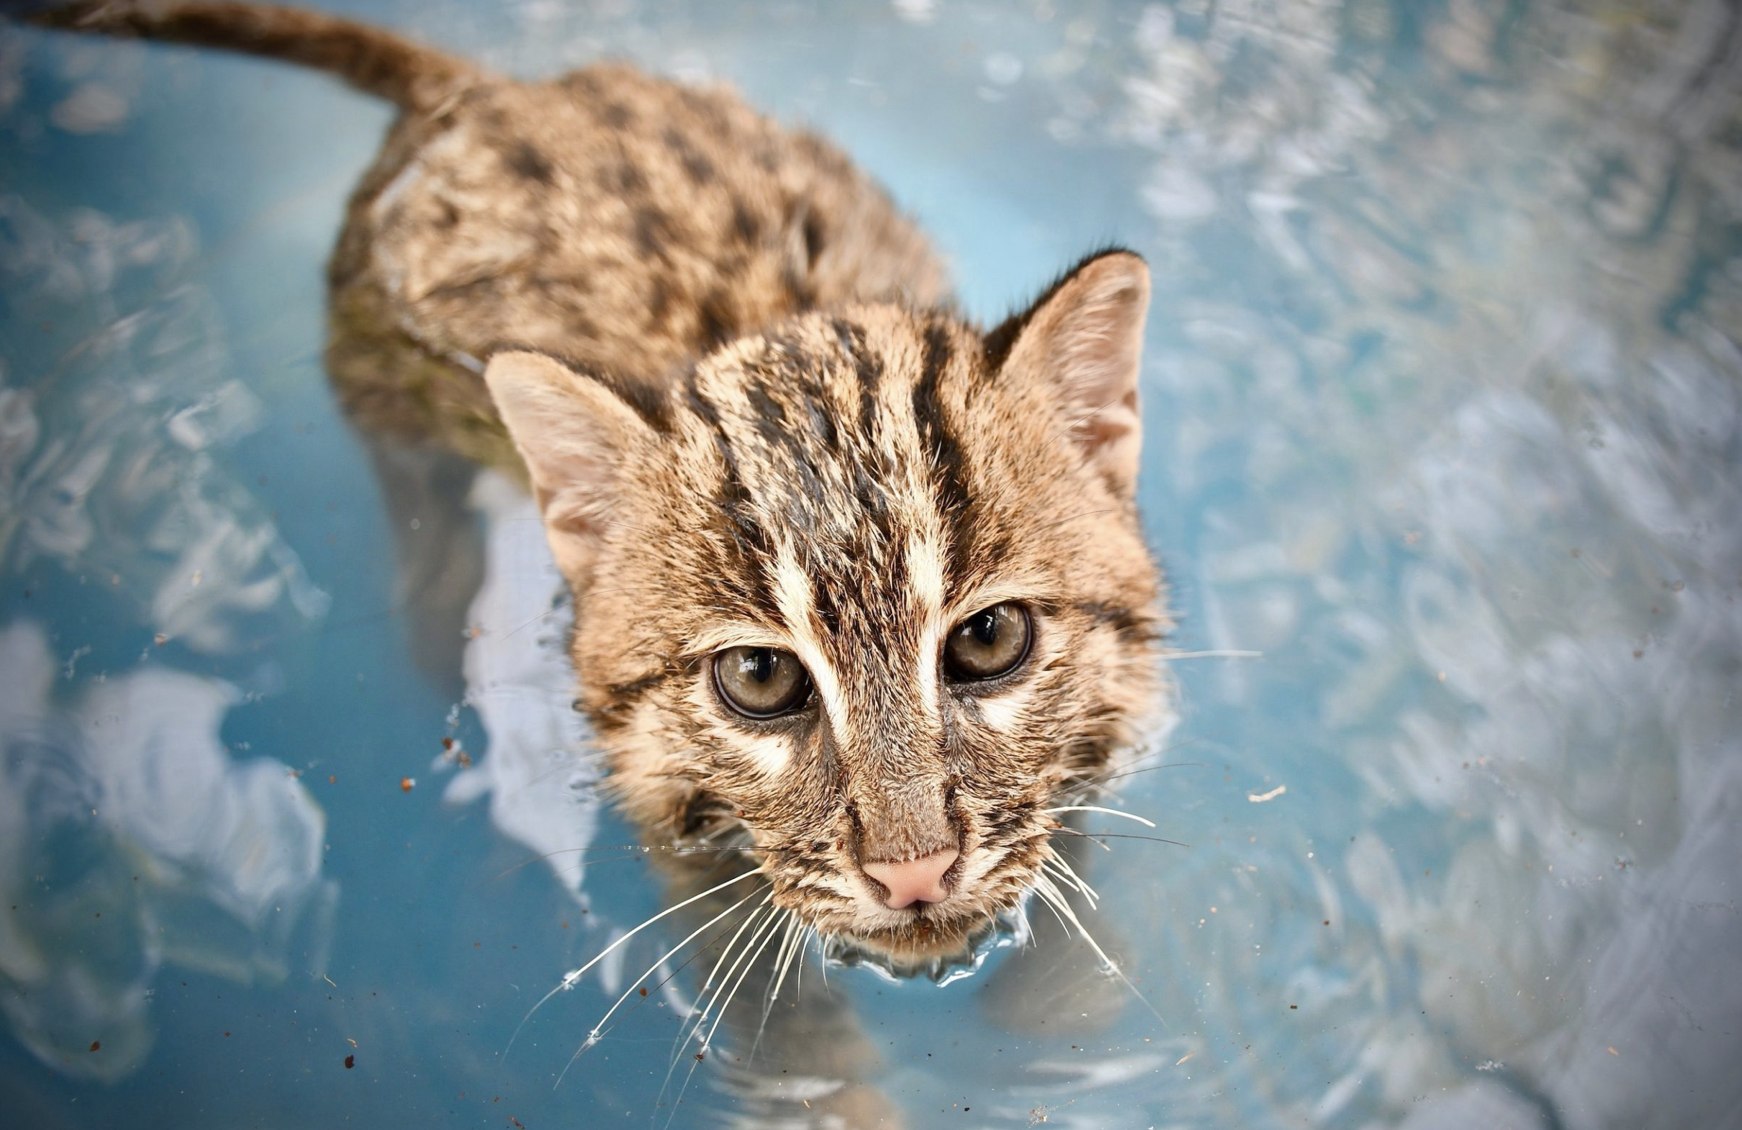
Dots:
pixel 917 880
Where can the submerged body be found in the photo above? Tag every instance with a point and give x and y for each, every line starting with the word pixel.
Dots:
pixel 858 587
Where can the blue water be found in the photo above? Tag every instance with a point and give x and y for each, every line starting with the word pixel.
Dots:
pixel 1443 398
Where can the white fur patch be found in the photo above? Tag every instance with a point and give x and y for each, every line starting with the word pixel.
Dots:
pixel 770 753
pixel 792 594
pixel 1004 712
pixel 925 573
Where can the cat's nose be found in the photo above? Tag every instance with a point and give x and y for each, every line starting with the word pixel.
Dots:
pixel 916 880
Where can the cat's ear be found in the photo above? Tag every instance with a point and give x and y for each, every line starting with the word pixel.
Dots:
pixel 1084 338
pixel 575 434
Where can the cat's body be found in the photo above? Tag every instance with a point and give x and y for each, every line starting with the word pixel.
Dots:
pixel 626 224
pixel 856 585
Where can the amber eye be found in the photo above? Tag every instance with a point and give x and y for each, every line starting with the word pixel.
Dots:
pixel 987 644
pixel 761 682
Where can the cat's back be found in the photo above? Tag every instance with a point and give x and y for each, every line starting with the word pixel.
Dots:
pixel 618 219
pixel 621 221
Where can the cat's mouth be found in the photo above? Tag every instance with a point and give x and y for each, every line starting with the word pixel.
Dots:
pixel 934 941
pixel 849 913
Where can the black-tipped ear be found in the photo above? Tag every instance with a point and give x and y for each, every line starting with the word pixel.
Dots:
pixel 1084 338
pixel 575 434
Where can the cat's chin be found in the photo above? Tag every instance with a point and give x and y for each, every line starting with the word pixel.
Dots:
pixel 928 947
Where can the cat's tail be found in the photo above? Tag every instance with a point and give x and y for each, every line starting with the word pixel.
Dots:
pixel 410 74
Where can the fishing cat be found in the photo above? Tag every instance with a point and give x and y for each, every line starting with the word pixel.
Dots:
pixel 858 587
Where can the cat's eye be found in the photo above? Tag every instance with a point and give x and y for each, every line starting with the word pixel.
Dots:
pixel 990 643
pixel 761 682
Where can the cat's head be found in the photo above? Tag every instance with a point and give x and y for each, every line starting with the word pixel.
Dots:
pixel 869 586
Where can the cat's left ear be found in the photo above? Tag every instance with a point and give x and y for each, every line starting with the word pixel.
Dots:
pixel 1084 337
pixel 575 433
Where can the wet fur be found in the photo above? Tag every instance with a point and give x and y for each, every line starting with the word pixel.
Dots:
pixel 751 416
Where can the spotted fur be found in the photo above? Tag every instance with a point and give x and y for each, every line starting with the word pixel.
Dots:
pixel 751 418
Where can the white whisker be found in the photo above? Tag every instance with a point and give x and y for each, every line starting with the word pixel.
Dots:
pixel 1169 657
pixel 1105 811
pixel 791 951
pixel 779 970
pixel 804 940
pixel 782 962
pixel 1061 864
pixel 726 953
pixel 1053 896
pixel 1070 879
pixel 750 964
pixel 593 1036
pixel 573 976
pixel 699 1011
pixel 764 918
pixel 753 948
pixel 1048 902
pixel 1025 925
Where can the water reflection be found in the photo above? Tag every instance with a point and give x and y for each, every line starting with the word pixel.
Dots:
pixel 541 785
pixel 129 839
pixel 108 462
pixel 132 838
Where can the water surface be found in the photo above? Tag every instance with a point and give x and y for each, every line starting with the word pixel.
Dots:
pixel 1443 398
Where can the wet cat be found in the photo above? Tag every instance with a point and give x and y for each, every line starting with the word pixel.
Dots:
pixel 859 589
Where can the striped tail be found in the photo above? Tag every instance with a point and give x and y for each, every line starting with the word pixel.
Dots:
pixel 409 74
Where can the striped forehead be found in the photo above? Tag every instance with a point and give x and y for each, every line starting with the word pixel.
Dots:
pixel 840 484
pixel 836 434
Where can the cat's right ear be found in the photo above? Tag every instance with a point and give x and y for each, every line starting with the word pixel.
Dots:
pixel 1083 341
pixel 575 434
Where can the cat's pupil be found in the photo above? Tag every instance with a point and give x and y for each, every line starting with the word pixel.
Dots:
pixel 990 643
pixel 761 682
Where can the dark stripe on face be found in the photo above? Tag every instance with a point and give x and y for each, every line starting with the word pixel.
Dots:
pixel 823 600
pixel 755 550
pixel 868 490
pixel 636 688
pixel 1129 623
pixel 950 476
pixel 822 423
pixel 770 415
pixel 866 365
pixel 622 698
pixel 873 501
pixel 775 427
pixel 703 812
pixel 645 399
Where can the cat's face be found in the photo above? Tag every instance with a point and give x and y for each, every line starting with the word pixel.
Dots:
pixel 869 588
